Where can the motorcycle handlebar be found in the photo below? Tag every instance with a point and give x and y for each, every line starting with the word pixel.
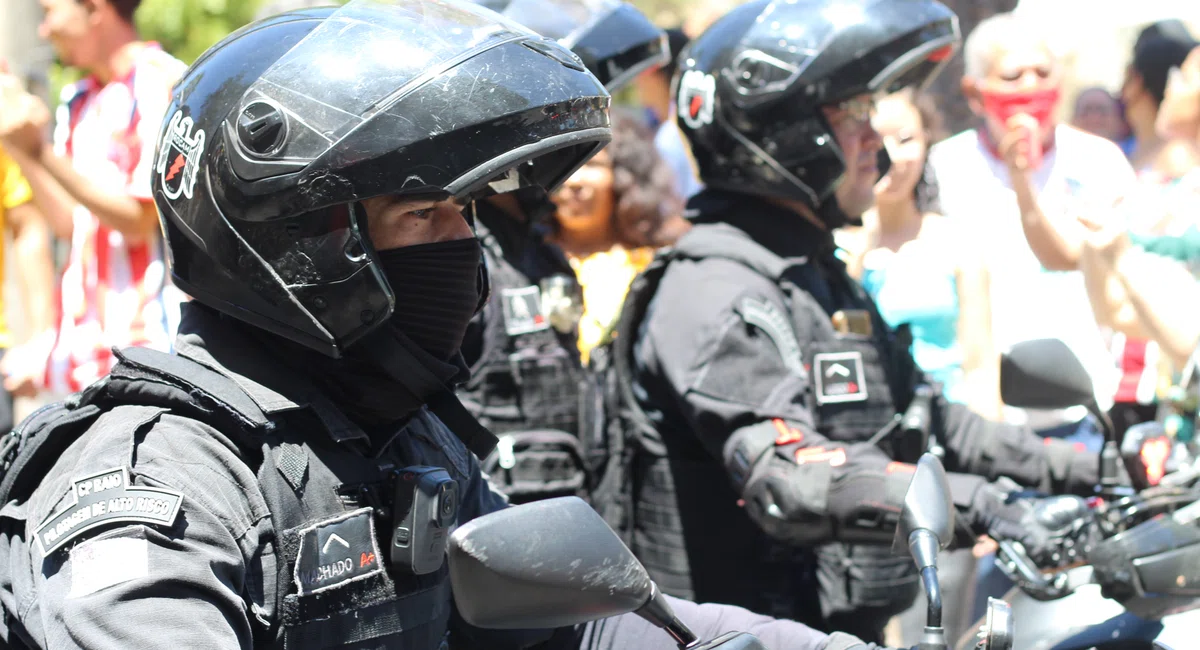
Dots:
pixel 1017 565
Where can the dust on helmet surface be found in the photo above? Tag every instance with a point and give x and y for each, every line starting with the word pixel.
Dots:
pixel 276 133
pixel 750 89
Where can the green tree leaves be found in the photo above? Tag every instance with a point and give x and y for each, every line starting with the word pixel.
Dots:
pixel 186 28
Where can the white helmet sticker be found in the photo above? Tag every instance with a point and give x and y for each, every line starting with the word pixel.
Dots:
pixel 695 98
pixel 179 158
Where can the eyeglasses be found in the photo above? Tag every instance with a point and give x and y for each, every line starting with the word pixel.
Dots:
pixel 851 112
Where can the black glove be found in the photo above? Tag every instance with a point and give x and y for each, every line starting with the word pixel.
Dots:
pixel 1055 531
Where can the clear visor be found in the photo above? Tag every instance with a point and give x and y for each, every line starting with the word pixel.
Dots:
pixel 565 21
pixel 328 89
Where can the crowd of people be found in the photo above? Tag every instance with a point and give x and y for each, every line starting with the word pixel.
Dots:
pixel 1020 228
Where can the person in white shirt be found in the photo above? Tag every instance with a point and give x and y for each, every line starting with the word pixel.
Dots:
pixel 1024 181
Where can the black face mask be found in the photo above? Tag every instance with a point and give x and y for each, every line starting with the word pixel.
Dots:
pixel 438 289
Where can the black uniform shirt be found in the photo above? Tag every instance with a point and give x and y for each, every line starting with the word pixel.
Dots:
pixel 704 373
pixel 208 577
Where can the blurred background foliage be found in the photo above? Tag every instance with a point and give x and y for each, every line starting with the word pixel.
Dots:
pixel 186 28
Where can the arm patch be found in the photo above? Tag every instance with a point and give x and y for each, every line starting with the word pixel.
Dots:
pixel 771 321
pixel 105 498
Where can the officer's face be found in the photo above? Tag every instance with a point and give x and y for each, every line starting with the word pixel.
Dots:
pixel 860 144
pixel 899 124
pixel 396 222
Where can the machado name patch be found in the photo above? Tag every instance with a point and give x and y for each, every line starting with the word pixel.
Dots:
pixel 336 552
pixel 104 498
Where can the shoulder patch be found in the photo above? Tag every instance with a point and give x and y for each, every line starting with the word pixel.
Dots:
pixel 104 498
pixel 767 317
pixel 101 563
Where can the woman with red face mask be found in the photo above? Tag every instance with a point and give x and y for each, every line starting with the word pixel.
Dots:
pixel 1012 82
pixel 1022 180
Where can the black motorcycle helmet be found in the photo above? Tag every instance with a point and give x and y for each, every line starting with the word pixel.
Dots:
pixel 615 40
pixel 750 88
pixel 275 134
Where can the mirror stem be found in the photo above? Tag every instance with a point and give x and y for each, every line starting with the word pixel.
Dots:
pixel 1109 457
pixel 658 611
pixel 933 592
pixel 923 545
pixel 1110 454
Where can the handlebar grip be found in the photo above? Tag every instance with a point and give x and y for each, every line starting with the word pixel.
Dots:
pixel 1020 568
pixel 1021 562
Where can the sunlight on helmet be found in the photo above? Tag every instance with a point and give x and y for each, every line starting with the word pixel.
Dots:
pixel 845 14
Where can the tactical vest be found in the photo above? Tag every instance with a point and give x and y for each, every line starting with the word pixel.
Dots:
pixel 378 608
pixel 530 389
pixel 648 497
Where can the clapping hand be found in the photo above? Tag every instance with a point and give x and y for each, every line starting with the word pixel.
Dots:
pixel 23 117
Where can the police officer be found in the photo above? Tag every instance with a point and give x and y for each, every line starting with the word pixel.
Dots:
pixel 775 394
pixel 528 384
pixel 258 488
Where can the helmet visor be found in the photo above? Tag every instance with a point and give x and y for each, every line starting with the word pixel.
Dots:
pixel 398 45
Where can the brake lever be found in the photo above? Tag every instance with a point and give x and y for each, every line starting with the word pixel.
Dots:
pixel 1015 563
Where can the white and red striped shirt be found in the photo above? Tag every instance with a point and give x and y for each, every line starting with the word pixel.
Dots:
pixel 112 292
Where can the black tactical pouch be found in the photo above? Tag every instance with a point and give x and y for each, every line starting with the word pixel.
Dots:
pixel 540 464
pixel 865 579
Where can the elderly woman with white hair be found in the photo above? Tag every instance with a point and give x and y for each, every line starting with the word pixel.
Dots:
pixel 1023 180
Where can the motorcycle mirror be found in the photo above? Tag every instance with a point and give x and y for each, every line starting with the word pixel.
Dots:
pixel 551 563
pixel 929 507
pixel 926 526
pixel 1045 374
